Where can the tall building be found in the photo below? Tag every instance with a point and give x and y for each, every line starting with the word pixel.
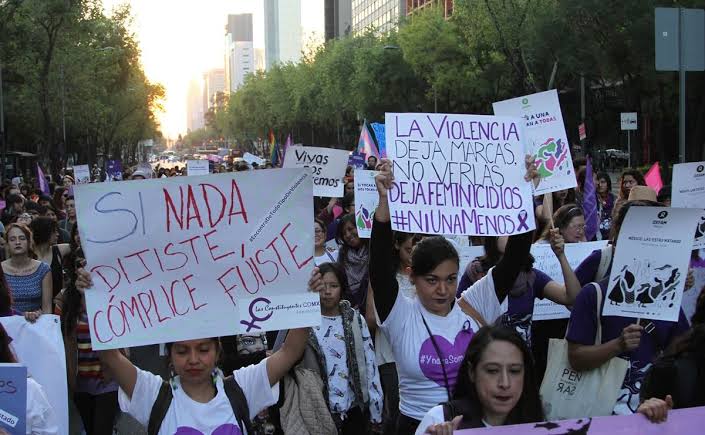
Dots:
pixel 381 15
pixel 282 31
pixel 338 18
pixel 213 83
pixel 194 107
pixel 415 5
pixel 239 50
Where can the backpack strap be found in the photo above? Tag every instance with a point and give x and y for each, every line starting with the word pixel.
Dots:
pixel 159 409
pixel 605 261
pixel 238 402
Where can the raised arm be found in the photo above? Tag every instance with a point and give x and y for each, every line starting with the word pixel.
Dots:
pixel 121 368
pixel 558 293
pixel 383 278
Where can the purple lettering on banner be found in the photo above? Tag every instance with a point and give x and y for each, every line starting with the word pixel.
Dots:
pixel 223 429
pixel 252 324
pixel 452 355
pixel 680 422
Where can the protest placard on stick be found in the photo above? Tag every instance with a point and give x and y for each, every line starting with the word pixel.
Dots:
pixel 327 166
pixel 82 174
pixel 197 167
pixel 650 267
pixel 458 174
pixel 366 200
pixel 192 257
pixel 547 262
pixel 546 138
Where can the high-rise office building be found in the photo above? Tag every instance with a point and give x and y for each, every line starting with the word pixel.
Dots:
pixel 380 15
pixel 416 5
pixel 213 83
pixel 338 18
pixel 239 50
pixel 194 106
pixel 282 31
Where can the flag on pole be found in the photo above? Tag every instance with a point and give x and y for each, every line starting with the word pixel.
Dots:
pixel 43 185
pixel 590 203
pixel 380 134
pixel 274 152
pixel 366 145
pixel 287 144
pixel 653 178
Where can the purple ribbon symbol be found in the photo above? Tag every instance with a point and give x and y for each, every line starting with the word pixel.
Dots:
pixel 252 324
pixel 523 216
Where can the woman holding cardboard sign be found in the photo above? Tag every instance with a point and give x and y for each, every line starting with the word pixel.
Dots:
pixel 197 398
pixel 428 334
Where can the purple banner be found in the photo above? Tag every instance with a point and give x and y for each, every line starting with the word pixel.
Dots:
pixel 680 422
pixel 357 160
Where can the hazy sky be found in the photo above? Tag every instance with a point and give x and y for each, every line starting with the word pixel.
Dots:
pixel 180 39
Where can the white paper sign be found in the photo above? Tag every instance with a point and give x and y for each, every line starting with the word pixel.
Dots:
pixel 651 264
pixel 251 159
pixel 327 167
pixel 688 185
pixel 82 174
pixel 40 347
pixel 546 262
pixel 366 200
pixel 688 190
pixel 546 137
pixel 458 175
pixel 192 257
pixel 197 167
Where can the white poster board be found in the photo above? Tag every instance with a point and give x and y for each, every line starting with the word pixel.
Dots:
pixel 458 175
pixel 545 261
pixel 546 137
pixel 327 167
pixel 650 267
pixel 192 257
pixel 366 200
pixel 688 185
pixel 82 174
pixel 688 190
pixel 40 347
pixel 197 167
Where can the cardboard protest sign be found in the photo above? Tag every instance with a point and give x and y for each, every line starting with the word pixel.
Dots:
pixel 327 167
pixel 688 191
pixel 690 295
pixel 680 422
pixel 192 257
pixel 82 174
pixel 650 267
pixel 357 160
pixel 458 175
pixel 366 200
pixel 547 262
pixel 113 171
pixel 545 133
pixel 13 398
pixel 197 167
pixel 39 346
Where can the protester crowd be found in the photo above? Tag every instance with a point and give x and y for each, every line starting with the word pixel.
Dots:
pixel 392 307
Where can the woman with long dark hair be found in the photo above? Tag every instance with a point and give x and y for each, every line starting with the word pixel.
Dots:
pixel 495 386
pixel 605 203
pixel 353 256
pixel 46 235
pixel 345 357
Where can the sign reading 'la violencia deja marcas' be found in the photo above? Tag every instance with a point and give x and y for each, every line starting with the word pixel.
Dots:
pixel 192 257
pixel 458 174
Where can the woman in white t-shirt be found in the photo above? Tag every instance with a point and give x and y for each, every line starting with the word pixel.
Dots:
pixel 199 403
pixel 321 253
pixel 496 386
pixel 428 334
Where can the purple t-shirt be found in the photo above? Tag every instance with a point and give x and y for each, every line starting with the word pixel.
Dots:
pixel 583 328
pixel 586 271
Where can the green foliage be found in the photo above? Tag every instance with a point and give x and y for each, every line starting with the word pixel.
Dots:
pixel 67 60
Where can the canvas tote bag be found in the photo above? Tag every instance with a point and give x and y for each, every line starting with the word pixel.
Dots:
pixel 569 394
